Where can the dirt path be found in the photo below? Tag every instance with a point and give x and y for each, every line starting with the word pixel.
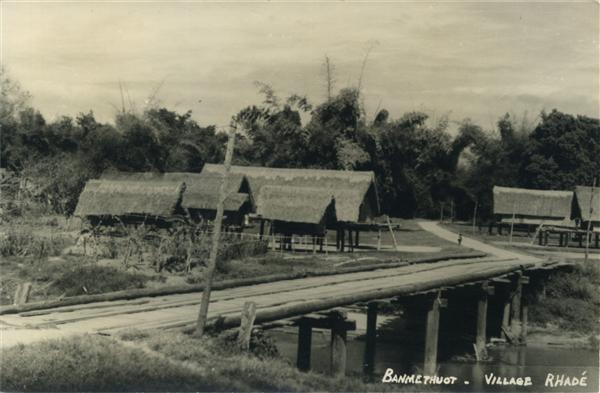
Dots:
pixel 434 228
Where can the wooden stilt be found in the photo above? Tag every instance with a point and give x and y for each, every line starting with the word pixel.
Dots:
pixel 524 320
pixel 431 338
pixel 326 243
pixel 480 338
pixel 338 350
pixel 350 240
pixel 597 241
pixel 342 240
pixel 546 236
pixel 304 345
pixel 515 309
pixel 505 317
pixel 370 339
pixel 337 239
pixel 379 240
pixel 314 244
pixel 262 229
pixel 356 238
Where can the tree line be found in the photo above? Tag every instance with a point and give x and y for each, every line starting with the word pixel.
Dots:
pixel 419 165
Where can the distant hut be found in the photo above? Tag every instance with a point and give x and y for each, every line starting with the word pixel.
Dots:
pixel 355 192
pixel 202 193
pixel 130 202
pixel 532 208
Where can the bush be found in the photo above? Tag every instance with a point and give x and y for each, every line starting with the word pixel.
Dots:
pixel 572 300
pixel 21 243
pixel 92 279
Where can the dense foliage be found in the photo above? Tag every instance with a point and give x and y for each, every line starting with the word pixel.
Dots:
pixel 419 165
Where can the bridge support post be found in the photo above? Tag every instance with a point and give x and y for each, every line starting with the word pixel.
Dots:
pixel 338 349
pixel 304 345
pixel 370 339
pixel 482 306
pixel 515 308
pixel 432 334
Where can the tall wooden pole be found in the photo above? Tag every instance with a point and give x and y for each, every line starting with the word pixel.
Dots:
pixel 587 231
pixel 512 223
pixel 475 215
pixel 212 262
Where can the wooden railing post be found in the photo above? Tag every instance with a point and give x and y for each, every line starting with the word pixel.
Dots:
pixel 247 321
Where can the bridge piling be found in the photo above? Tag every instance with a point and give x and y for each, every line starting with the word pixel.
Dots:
pixel 370 339
pixel 338 349
pixel 432 334
pixel 482 306
pixel 304 344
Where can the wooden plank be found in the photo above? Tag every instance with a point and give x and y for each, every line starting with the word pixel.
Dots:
pixel 245 332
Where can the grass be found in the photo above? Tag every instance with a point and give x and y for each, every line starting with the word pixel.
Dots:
pixel 66 276
pixel 159 361
pixel 572 300
pixel 32 253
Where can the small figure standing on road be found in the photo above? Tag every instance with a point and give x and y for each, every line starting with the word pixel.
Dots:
pixel 459 239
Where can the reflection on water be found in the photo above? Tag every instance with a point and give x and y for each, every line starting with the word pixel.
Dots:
pixel 404 356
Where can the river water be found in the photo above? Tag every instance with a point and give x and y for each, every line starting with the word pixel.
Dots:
pixel 395 352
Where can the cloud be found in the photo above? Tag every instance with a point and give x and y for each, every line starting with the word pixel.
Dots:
pixel 476 60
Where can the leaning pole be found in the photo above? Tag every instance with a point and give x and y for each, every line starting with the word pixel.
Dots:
pixel 216 236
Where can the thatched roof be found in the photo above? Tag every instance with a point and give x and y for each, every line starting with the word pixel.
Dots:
pixel 126 197
pixel 202 189
pixel 583 195
pixel 351 189
pixel 532 203
pixel 295 204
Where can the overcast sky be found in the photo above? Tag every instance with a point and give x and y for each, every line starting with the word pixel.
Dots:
pixel 476 60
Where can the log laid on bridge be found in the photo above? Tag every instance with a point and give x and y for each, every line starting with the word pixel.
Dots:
pixel 305 307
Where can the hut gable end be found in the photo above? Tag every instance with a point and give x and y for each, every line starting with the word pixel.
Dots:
pixel 583 196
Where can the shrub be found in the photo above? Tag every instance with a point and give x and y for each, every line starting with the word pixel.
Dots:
pixel 21 243
pixel 92 279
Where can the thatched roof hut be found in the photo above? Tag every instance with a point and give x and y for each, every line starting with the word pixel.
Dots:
pixel 355 192
pixel 296 204
pixel 583 196
pixel 535 207
pixel 126 197
pixel 202 189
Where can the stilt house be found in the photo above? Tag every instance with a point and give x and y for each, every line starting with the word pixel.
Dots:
pixel 199 200
pixel 531 208
pixel 110 202
pixel 354 193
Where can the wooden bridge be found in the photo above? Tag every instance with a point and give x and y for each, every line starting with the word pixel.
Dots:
pixel 309 303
